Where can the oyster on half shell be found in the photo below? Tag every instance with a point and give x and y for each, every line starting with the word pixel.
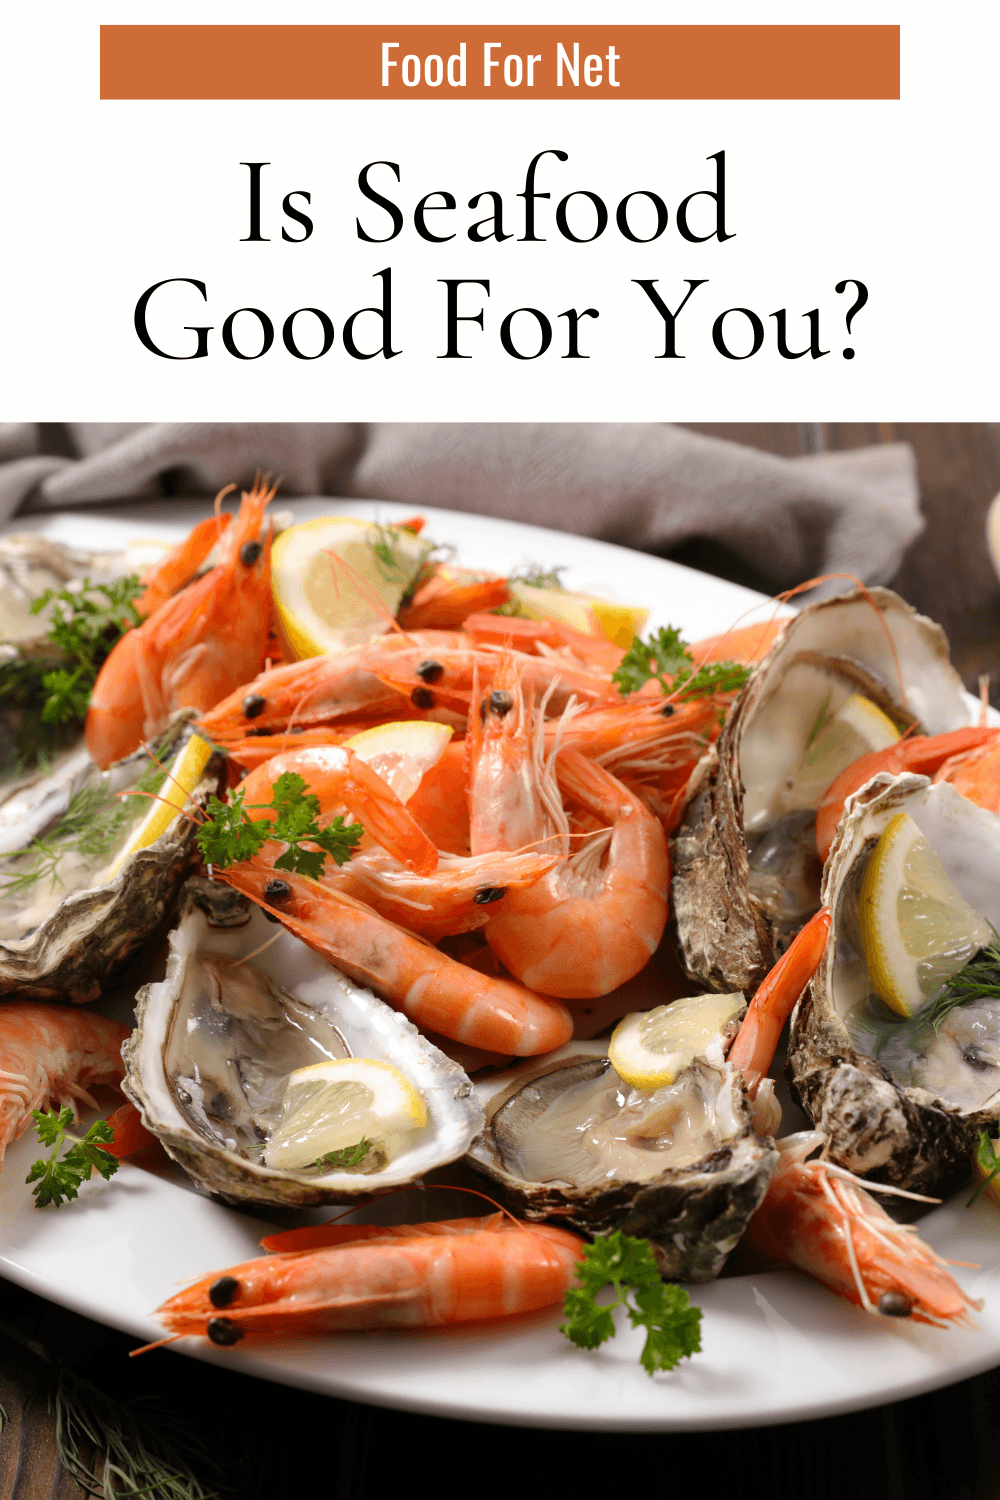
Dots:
pixel 746 874
pixel 75 903
pixel 680 1165
pixel 898 1098
pixel 242 1006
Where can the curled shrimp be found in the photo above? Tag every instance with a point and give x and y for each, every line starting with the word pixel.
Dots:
pixel 449 595
pixel 922 754
pixel 167 577
pixel 819 1218
pixel 52 1055
pixel 444 679
pixel 362 1276
pixel 545 638
pixel 434 990
pixel 976 774
pixel 191 651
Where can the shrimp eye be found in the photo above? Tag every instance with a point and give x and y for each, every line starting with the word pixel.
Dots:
pixel 500 702
pixel 296 729
pixel 223 1331
pixel 895 1305
pixel 489 893
pixel 668 710
pixel 430 670
pixel 260 733
pixel 222 1291
pixel 252 705
pixel 249 553
pixel 277 890
pixel 422 698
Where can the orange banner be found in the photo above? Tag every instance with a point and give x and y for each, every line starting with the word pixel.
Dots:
pixel 500 62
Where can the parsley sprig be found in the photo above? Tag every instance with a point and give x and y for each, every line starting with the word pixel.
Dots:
pixel 59 1178
pixel 672 1325
pixel 666 657
pixel 229 835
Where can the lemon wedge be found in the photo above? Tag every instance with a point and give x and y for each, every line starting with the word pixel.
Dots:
pixel 401 753
pixel 184 775
pixel 617 622
pixel 983 1172
pixel 651 1048
pixel 337 582
pixel 858 727
pixel 334 1106
pixel 917 929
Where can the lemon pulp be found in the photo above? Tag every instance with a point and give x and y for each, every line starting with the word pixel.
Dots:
pixel 651 1048
pixel 917 929
pixel 183 776
pixel 858 727
pixel 334 1106
pixel 337 582
pixel 583 612
pixel 401 753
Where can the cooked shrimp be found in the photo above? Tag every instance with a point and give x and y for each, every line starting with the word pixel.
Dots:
pixel 440 804
pixel 444 599
pixel 819 1218
pixel 194 649
pixel 497 1015
pixel 976 774
pixel 543 638
pixel 256 750
pixel 339 779
pixel 443 679
pixel 596 919
pixel 167 577
pixel 921 754
pixel 754 1048
pixel 413 1276
pixel 321 690
pixel 52 1055
pixel 459 896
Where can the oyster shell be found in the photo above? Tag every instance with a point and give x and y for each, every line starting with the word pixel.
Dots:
pixel 64 931
pixel 243 1005
pixel 746 874
pixel 681 1166
pixel 31 563
pixel 897 1100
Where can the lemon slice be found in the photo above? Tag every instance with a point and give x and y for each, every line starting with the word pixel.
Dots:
pixel 618 622
pixel 402 753
pixel 322 604
pixel 982 1172
pixel 917 929
pixel 858 727
pixel 333 1106
pixel 651 1048
pixel 184 775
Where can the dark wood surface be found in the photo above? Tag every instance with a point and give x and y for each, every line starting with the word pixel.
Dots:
pixel 272 1443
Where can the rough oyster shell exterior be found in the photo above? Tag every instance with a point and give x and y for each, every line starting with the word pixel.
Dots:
pixel 693 1216
pixel 217 921
pixel 90 935
pixel 902 1135
pixel 723 935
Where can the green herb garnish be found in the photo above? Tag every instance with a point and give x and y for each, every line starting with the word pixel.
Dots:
pixel 230 835
pixel 672 1325
pixel 93 826
pixel 347 1156
pixel 49 693
pixel 666 657
pixel 979 980
pixel 61 1178
pixel 988 1161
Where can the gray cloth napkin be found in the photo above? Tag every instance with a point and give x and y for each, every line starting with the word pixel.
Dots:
pixel 654 487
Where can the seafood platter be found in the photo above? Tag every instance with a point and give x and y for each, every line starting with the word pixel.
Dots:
pixel 422 935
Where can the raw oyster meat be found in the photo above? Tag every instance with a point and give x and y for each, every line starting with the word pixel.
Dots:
pixel 72 908
pixel 242 1006
pixel 680 1165
pixel 746 874
pixel 898 1099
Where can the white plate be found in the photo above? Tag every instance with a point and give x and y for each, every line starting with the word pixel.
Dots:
pixel 777 1346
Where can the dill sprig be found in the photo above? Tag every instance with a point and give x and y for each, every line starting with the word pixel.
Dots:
pixel 93 826
pixel 347 1156
pixel 979 980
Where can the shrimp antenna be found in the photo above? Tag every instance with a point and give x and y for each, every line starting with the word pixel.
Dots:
pixel 366 591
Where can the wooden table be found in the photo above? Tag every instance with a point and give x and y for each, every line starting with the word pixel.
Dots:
pixel 270 1443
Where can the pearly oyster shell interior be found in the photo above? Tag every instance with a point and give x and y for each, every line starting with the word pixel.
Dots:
pixel 242 1005
pixel 897 1098
pixel 746 875
pixel 681 1166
